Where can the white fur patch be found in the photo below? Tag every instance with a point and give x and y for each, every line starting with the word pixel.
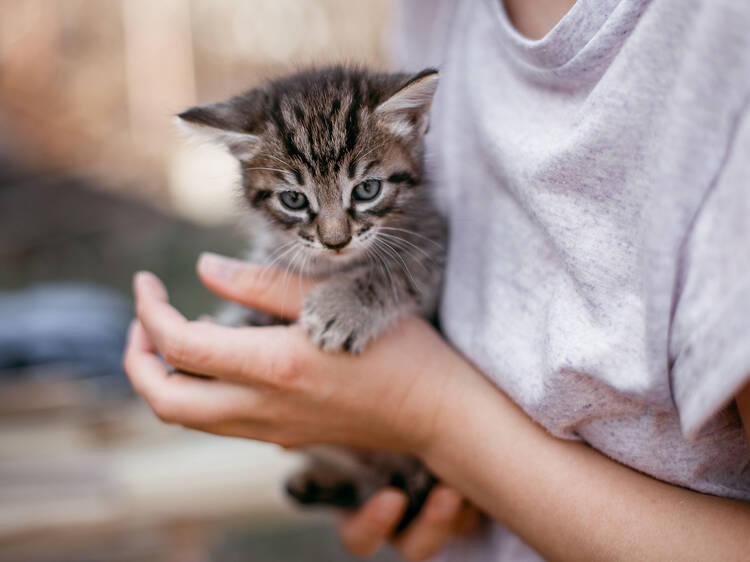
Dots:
pixel 405 112
pixel 242 145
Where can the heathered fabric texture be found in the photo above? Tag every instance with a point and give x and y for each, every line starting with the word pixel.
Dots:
pixel 597 183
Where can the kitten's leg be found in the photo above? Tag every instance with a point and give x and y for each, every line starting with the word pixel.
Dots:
pixel 344 478
pixel 348 312
pixel 322 483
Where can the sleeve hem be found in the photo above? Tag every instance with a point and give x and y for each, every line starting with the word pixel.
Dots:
pixel 708 373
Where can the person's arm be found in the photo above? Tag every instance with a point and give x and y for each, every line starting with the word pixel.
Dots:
pixel 569 501
pixel 363 532
pixel 410 391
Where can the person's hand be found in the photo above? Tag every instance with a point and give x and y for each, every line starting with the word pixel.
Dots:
pixel 444 515
pixel 272 383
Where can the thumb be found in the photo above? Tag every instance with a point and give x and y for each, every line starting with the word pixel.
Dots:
pixel 275 291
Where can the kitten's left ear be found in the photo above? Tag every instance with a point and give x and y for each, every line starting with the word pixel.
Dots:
pixel 227 123
pixel 405 113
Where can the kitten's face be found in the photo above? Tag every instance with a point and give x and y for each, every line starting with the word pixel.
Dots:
pixel 336 213
pixel 332 158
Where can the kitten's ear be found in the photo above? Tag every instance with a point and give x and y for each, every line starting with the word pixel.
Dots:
pixel 224 123
pixel 405 113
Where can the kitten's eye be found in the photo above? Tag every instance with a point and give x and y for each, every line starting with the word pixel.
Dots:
pixel 367 190
pixel 293 200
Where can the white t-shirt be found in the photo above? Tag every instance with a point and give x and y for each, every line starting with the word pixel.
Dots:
pixel 597 183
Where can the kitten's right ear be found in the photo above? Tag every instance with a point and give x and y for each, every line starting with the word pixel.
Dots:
pixel 222 123
pixel 406 111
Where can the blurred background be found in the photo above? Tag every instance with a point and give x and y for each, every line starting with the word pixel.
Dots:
pixel 94 185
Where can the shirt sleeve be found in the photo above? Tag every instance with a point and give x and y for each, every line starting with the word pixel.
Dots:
pixel 710 337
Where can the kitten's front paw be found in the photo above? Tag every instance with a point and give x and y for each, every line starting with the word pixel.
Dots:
pixel 338 322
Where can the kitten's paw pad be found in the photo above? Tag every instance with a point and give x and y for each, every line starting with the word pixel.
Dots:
pixel 334 327
pixel 305 489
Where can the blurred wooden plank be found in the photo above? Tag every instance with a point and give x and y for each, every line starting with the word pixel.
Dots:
pixel 58 472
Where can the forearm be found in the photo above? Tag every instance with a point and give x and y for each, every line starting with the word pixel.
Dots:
pixel 567 500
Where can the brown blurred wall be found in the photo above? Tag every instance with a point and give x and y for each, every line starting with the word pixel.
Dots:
pixel 89 86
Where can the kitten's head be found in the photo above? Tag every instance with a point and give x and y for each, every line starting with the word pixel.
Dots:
pixel 329 156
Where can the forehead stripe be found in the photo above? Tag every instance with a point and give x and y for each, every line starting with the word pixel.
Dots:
pixel 291 148
pixel 352 124
pixel 298 176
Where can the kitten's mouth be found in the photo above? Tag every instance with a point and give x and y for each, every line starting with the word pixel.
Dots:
pixel 340 252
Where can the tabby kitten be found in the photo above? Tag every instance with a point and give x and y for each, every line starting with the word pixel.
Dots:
pixel 332 163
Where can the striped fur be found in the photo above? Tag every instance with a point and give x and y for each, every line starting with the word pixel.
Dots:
pixel 313 148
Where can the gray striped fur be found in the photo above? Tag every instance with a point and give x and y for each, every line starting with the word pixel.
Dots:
pixel 321 134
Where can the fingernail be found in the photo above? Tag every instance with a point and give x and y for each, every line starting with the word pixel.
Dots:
pixel 218 266
pixel 147 279
pixel 143 278
pixel 389 503
pixel 447 502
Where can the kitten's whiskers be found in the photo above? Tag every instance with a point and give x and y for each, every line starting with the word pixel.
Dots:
pixel 273 158
pixel 382 258
pixel 269 169
pixel 275 258
pixel 409 248
pixel 394 252
pixel 361 156
pixel 413 233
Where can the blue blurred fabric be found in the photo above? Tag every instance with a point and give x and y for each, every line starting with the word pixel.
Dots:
pixel 80 325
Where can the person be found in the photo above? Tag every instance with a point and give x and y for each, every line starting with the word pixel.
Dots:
pixel 594 158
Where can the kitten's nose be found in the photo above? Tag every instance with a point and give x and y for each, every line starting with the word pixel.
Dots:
pixel 336 245
pixel 334 232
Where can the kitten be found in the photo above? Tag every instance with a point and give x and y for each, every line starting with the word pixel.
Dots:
pixel 332 162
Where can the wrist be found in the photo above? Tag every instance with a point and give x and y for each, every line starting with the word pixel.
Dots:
pixel 475 415
pixel 459 407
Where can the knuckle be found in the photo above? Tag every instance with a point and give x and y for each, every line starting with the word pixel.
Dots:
pixel 163 408
pixel 284 370
pixel 175 351
pixel 438 517
pixel 141 309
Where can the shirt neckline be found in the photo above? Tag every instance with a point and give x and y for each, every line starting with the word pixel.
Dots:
pixel 564 41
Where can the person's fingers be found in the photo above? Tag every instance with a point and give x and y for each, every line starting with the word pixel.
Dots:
pixel 468 519
pixel 177 397
pixel 364 532
pixel 243 355
pixel 138 339
pixel 275 291
pixel 139 356
pixel 433 527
